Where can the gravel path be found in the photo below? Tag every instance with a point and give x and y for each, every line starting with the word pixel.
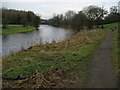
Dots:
pixel 100 74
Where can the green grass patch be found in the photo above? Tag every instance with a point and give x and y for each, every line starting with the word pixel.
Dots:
pixel 115 52
pixel 16 29
pixel 115 48
pixel 111 26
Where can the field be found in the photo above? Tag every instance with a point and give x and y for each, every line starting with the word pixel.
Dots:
pixel 16 29
pixel 111 26
pixel 62 64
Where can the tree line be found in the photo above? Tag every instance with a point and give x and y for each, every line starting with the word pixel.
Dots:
pixel 25 18
pixel 90 17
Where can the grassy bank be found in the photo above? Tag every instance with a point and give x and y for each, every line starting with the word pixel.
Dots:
pixel 71 55
pixel 115 48
pixel 115 51
pixel 16 29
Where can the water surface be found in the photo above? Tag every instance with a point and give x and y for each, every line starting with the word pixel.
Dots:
pixel 45 34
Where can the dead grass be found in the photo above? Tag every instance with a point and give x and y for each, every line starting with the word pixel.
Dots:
pixel 53 78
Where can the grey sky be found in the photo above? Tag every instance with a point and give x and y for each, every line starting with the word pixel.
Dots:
pixel 46 8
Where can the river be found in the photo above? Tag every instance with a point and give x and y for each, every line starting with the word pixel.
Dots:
pixel 45 34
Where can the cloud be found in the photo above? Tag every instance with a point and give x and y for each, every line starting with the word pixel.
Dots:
pixel 59 0
pixel 48 8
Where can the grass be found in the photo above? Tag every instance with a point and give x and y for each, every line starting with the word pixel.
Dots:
pixel 111 26
pixel 115 51
pixel 115 48
pixel 72 54
pixel 16 29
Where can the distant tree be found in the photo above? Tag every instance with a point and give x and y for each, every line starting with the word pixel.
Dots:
pixel 61 20
pixel 4 23
pixel 37 22
pixel 4 18
pixel 89 17
pixel 114 15
pixel 111 18
pixel 119 7
pixel 94 14
pixel 28 16
pixel 55 21
pixel 24 22
pixel 18 19
pixel 69 16
pixel 114 9
pixel 79 21
pixel 11 16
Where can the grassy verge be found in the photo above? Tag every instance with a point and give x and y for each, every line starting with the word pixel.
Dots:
pixel 115 48
pixel 72 54
pixel 115 51
pixel 16 29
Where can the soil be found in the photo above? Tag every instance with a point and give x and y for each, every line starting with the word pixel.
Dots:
pixel 100 74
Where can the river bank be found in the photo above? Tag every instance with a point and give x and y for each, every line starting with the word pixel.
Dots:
pixel 70 56
pixel 16 29
pixel 21 41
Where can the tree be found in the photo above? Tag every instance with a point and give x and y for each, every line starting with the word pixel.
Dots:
pixel 94 14
pixel 18 19
pixel 114 9
pixel 79 21
pixel 61 20
pixel 55 21
pixel 111 18
pixel 4 18
pixel 119 7
pixel 37 22
pixel 30 17
pixel 4 23
pixel 24 22
pixel 69 16
pixel 114 15
pixel 11 16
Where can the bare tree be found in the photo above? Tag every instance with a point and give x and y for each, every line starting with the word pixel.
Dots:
pixel 114 9
pixel 94 14
pixel 69 16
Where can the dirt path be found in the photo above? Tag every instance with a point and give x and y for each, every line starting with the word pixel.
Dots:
pixel 100 74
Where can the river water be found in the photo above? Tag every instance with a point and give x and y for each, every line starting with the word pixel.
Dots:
pixel 45 34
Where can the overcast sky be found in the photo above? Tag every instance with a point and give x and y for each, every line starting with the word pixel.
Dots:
pixel 46 8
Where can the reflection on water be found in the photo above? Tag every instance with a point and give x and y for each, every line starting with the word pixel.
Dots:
pixel 45 34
